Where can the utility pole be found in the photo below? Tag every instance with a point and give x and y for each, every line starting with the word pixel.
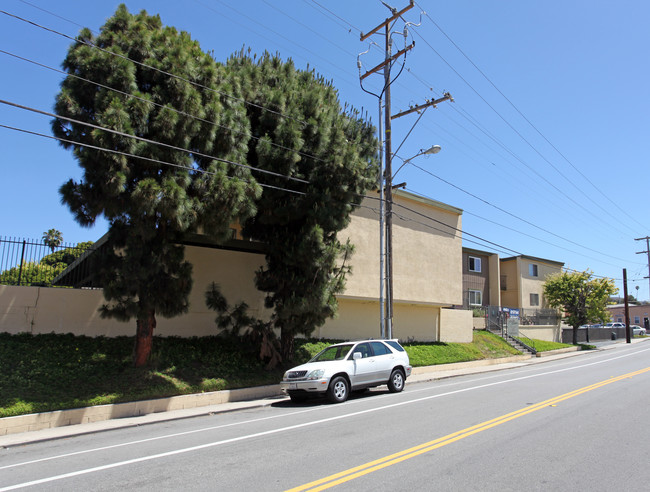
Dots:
pixel 387 309
pixel 628 336
pixel 647 251
pixel 386 182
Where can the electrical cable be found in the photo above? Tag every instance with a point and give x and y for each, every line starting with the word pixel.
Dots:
pixel 511 214
pixel 146 140
pixel 157 161
pixel 148 101
pixel 92 45
pixel 526 119
pixel 548 182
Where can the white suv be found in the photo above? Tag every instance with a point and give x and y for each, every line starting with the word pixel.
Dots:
pixel 349 366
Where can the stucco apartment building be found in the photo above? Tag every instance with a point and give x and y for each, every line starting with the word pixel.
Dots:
pixel 522 281
pixel 481 274
pixel 427 281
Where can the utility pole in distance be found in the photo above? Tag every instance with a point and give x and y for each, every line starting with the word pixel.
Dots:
pixel 628 330
pixel 387 314
pixel 647 251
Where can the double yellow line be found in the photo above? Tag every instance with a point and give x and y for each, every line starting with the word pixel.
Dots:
pixel 372 466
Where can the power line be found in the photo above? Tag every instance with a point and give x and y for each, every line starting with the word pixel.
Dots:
pixel 458 109
pixel 586 178
pixel 148 101
pixel 510 213
pixel 150 159
pixel 548 182
pixel 337 16
pixel 196 84
pixel 146 140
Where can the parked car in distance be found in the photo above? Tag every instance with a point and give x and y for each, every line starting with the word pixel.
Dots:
pixel 637 330
pixel 349 366
pixel 615 325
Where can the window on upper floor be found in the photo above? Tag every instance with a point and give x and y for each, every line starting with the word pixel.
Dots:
pixel 474 264
pixel 534 299
pixel 475 298
pixel 504 282
pixel 532 270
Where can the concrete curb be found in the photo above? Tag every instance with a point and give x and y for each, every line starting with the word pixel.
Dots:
pixel 185 406
pixel 468 365
pixel 60 418
pixel 558 351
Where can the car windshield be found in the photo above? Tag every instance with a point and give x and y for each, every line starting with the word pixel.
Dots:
pixel 335 352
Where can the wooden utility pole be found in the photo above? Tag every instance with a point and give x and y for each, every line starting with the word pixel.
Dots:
pixel 628 337
pixel 387 314
pixel 647 251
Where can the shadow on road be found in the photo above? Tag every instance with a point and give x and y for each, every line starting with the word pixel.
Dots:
pixel 318 400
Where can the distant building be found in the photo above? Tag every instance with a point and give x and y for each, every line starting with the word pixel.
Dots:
pixel 480 278
pixel 522 281
pixel 639 314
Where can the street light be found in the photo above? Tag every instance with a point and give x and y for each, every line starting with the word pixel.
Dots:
pixel 387 311
pixel 431 150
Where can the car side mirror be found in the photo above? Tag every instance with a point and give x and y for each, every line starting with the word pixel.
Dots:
pixel 357 355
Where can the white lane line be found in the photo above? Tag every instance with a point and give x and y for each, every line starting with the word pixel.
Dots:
pixel 284 429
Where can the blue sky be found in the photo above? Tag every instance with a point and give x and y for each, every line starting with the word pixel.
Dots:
pixel 544 148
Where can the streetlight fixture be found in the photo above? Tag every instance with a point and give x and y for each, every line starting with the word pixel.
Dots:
pixel 387 310
pixel 434 149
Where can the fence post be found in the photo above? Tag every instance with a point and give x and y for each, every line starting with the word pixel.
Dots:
pixel 22 258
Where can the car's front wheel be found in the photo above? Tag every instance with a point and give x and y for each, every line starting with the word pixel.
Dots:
pixel 396 381
pixel 338 390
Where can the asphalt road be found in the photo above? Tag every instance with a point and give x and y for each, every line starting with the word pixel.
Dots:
pixel 578 423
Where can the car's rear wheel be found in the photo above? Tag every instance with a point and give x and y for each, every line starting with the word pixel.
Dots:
pixel 396 381
pixel 338 390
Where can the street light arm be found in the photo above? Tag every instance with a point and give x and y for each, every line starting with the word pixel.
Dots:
pixel 431 150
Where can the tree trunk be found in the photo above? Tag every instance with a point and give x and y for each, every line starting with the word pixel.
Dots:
pixel 575 335
pixel 286 340
pixel 144 338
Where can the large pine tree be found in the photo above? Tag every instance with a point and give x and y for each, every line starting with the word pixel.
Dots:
pixel 151 205
pixel 300 130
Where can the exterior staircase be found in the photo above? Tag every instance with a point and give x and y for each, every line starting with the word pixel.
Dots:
pixel 519 345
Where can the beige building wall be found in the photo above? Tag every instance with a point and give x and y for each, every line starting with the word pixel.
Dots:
pixel 233 272
pixel 510 284
pixel 548 333
pixel 454 325
pixel 40 310
pixel 427 255
pixel 427 276
pixel 520 284
pixel 45 310
pixel 495 280
pixel 535 284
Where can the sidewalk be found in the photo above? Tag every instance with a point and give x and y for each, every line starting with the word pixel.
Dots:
pixel 24 429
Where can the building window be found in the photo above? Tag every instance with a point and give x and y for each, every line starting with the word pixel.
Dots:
pixel 474 264
pixel 637 320
pixel 534 299
pixel 475 298
pixel 504 282
pixel 532 270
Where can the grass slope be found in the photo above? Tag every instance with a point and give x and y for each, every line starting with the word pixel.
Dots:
pixel 52 372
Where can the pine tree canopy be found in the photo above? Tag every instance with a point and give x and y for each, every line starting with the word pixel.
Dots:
pixel 332 148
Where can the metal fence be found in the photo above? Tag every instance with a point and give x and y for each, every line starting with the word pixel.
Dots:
pixel 32 263
pixel 496 317
pixel 539 317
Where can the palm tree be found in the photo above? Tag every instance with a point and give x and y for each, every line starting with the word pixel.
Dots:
pixel 52 238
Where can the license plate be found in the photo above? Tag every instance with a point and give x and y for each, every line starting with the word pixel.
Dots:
pixel 293 386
